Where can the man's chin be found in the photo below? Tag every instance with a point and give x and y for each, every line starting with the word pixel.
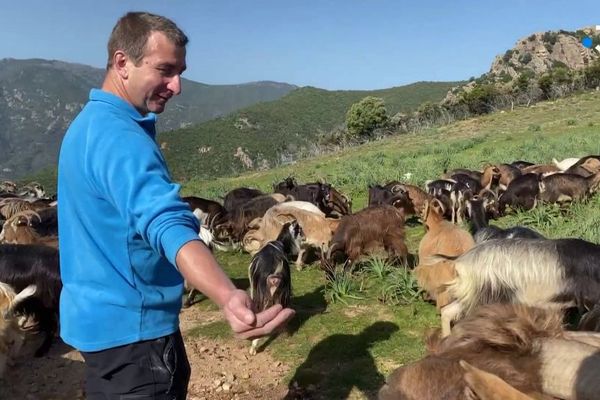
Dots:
pixel 157 108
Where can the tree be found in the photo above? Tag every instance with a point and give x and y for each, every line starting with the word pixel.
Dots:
pixel 366 115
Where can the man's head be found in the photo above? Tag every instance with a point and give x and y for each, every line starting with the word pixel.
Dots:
pixel 146 57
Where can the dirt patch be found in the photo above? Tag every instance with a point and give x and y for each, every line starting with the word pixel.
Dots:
pixel 221 369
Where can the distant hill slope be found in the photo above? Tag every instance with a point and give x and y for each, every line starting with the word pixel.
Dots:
pixel 262 135
pixel 39 98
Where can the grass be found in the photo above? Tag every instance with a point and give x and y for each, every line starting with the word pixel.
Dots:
pixel 346 339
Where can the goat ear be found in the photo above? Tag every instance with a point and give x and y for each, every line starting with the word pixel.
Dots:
pixel 438 206
pixel 284 218
pixel 396 188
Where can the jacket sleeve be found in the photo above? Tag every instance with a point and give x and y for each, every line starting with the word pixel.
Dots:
pixel 129 171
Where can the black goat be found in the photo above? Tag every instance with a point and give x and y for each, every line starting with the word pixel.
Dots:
pixel 23 265
pixel 269 271
pixel 482 231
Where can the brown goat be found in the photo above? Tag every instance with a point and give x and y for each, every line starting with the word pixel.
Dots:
pixel 508 173
pixel 417 197
pixel 524 346
pixel 441 237
pixel 561 188
pixel 541 169
pixel 316 228
pixel 368 231
pixel 18 230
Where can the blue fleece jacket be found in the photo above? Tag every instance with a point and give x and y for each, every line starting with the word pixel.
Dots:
pixel 121 223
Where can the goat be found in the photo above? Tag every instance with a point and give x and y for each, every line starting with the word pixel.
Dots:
pixel 379 195
pixel 542 272
pixel 524 346
pixel 522 192
pixel 508 173
pixel 18 230
pixel 329 200
pixel 11 338
pixel 235 198
pixel 562 188
pixel 369 230
pixel 210 207
pixel 482 231
pixel 416 198
pixel 316 228
pixel 520 164
pixel 24 265
pixel 269 272
pixel 441 237
pixel 586 166
pixel 478 180
pixel 336 204
pixel 541 169
pixel 237 225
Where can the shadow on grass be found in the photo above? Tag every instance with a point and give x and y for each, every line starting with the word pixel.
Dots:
pixel 339 363
pixel 307 306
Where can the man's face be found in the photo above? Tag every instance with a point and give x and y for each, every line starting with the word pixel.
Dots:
pixel 158 76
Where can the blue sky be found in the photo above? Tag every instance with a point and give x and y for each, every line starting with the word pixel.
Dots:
pixel 342 44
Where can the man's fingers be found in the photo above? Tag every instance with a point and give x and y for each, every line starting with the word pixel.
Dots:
pixel 240 309
pixel 270 326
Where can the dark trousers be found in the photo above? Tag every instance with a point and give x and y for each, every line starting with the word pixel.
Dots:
pixel 151 369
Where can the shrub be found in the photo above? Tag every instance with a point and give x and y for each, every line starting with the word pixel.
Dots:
pixel 480 99
pixel 525 58
pixel 366 115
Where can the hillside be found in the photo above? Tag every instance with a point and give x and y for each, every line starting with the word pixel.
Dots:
pixel 267 134
pixel 39 98
pixel 568 127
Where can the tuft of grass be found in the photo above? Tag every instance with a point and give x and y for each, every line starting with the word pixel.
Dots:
pixel 342 286
pixel 400 288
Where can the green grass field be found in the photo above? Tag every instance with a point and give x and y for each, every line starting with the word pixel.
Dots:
pixel 356 341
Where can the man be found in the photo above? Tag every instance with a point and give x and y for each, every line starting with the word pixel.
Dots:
pixel 126 238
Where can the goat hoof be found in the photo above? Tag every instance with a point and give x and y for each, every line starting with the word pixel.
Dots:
pixel 252 351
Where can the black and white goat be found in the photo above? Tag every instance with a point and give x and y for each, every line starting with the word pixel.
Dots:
pixel 545 273
pixel 269 271
pixel 482 231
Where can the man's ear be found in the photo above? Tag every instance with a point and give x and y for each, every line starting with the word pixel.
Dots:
pixel 120 64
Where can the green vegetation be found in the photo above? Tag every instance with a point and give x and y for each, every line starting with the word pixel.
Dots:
pixel 366 116
pixel 277 132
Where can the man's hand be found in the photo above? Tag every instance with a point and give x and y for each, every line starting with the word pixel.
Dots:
pixel 247 325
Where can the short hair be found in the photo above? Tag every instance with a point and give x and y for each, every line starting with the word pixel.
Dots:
pixel 132 30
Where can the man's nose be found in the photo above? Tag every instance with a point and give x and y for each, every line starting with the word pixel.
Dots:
pixel 175 84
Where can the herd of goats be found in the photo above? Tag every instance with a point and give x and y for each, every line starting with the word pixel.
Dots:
pixel 504 295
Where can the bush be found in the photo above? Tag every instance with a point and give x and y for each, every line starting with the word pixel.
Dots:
pixel 525 58
pixel 550 38
pixel 366 115
pixel 480 99
pixel 507 55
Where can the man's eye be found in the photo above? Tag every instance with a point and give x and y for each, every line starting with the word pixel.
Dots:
pixel 165 71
